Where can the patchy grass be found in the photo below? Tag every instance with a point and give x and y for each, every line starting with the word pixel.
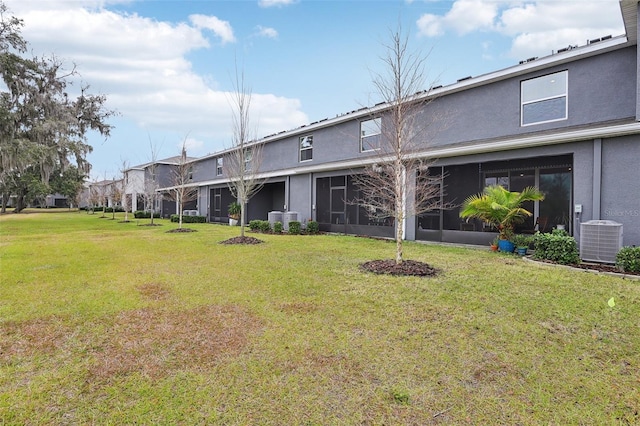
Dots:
pixel 109 323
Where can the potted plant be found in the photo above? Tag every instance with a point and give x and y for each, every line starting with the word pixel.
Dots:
pixel 522 243
pixel 501 208
pixel 234 210
pixel 494 244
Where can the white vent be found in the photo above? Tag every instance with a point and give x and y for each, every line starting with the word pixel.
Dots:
pixel 600 240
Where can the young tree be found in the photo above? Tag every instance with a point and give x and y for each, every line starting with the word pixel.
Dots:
pixel 399 184
pixel 242 164
pixel 124 167
pixel 151 184
pixel 115 195
pixel 182 192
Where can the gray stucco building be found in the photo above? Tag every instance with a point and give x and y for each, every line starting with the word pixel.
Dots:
pixel 567 123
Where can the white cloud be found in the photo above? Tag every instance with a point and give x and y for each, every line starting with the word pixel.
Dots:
pixel 275 3
pixel 193 146
pixel 464 17
pixel 221 28
pixel 535 27
pixel 141 65
pixel 266 32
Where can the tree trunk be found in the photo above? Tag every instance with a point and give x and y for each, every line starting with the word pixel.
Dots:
pixel 20 201
pixel 243 212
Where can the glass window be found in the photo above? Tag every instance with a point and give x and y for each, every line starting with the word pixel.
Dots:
pixel 370 135
pixel 544 99
pixel 219 166
pixel 248 156
pixel 306 148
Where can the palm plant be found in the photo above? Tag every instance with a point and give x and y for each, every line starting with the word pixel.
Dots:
pixel 500 207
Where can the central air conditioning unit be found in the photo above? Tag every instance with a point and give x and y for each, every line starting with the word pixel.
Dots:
pixel 600 240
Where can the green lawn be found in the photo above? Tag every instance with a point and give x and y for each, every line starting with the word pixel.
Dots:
pixel 113 323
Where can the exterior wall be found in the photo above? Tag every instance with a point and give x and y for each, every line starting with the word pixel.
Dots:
pixel 299 196
pixel 620 196
pixel 204 170
pixel 493 111
pixel 603 90
pixel 489 111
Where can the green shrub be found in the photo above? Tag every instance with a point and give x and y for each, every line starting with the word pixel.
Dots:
pixel 628 259
pixel 188 219
pixel 277 227
pixel 557 246
pixel 145 214
pixel 313 227
pixel 254 225
pixel 265 226
pixel 294 227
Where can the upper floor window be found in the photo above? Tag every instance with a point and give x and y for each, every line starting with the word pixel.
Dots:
pixel 306 148
pixel 219 166
pixel 370 135
pixel 248 156
pixel 544 99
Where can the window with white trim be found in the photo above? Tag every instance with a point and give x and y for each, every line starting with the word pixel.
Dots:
pixel 306 148
pixel 370 135
pixel 544 99
pixel 219 166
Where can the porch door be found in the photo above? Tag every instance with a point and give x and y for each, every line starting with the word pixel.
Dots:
pixel 338 205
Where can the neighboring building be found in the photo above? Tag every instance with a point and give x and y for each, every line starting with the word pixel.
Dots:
pixel 144 179
pixel 568 123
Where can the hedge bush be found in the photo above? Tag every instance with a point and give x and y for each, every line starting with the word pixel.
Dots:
pixel 188 219
pixel 144 214
pixel 628 259
pixel 254 225
pixel 277 227
pixel 294 227
pixel 313 227
pixel 558 246
pixel 264 226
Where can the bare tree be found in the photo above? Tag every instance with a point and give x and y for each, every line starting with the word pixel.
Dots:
pixel 398 185
pixel 242 164
pixel 182 177
pixel 151 184
pixel 114 194
pixel 124 167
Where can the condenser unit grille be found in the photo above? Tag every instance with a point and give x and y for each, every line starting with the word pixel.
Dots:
pixel 600 240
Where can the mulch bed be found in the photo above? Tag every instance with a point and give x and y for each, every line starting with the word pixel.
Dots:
pixel 406 268
pixel 598 267
pixel 180 230
pixel 242 240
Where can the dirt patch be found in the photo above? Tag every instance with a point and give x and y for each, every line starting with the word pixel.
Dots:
pixel 28 338
pixel 153 291
pixel 158 342
pixel 242 240
pixel 152 342
pixel 406 268
pixel 597 267
pixel 180 230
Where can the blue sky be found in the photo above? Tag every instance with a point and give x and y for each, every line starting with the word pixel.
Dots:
pixel 167 66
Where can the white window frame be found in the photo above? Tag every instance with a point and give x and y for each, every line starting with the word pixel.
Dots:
pixel 526 99
pixel 308 138
pixel 374 125
pixel 219 166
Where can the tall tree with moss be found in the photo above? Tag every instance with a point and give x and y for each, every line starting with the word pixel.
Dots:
pixel 42 126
